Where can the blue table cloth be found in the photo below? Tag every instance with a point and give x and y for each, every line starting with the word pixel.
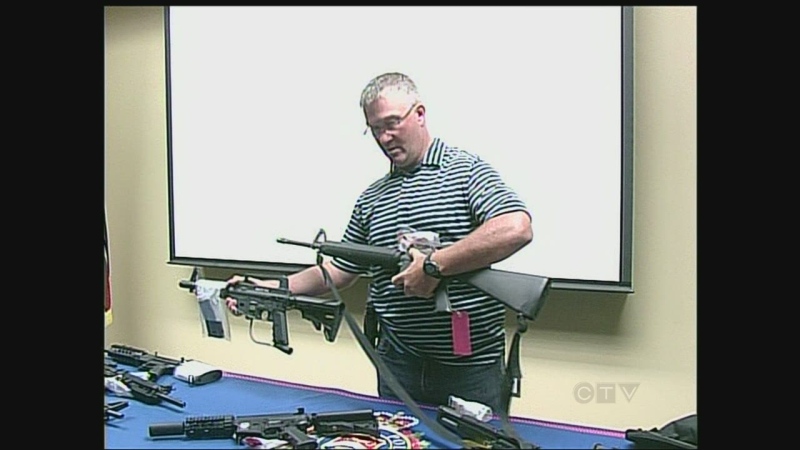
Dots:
pixel 237 395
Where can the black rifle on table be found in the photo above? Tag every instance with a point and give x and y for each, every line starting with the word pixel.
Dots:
pixel 271 305
pixel 480 434
pixel 296 429
pixel 521 292
pixel 138 388
pixel 111 410
pixel 153 364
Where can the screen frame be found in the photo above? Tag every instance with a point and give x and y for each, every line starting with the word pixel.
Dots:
pixel 625 283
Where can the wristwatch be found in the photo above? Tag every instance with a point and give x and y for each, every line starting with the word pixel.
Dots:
pixel 430 267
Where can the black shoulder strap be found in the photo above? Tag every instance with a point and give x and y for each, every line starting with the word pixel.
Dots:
pixel 512 384
pixel 386 373
pixel 513 387
pixel 367 344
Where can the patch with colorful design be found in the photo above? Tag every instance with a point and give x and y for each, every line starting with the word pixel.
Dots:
pixel 397 431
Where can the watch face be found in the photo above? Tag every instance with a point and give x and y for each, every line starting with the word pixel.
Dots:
pixel 431 268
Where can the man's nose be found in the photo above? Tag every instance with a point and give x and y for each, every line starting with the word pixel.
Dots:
pixel 384 138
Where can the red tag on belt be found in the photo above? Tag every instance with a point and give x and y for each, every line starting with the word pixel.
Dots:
pixel 462 344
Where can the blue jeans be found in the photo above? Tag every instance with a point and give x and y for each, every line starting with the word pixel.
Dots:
pixel 429 382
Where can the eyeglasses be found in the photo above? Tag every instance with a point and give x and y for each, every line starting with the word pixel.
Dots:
pixel 389 124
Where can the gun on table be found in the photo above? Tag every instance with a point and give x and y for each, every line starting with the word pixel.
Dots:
pixel 478 433
pixel 523 293
pixel 111 410
pixel 154 364
pixel 296 429
pixel 271 305
pixel 122 382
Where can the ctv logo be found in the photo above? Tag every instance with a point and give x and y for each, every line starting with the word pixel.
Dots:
pixel 603 392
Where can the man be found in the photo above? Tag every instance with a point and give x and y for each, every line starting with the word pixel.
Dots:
pixel 459 199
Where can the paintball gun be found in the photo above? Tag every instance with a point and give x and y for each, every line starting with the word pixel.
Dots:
pixel 296 429
pixel 271 304
pixel 475 432
pixel 153 364
pixel 522 293
pixel 122 382
pixel 111 410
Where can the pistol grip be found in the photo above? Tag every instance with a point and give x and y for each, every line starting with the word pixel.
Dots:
pixel 280 332
pixel 298 439
pixel 441 298
pixel 159 371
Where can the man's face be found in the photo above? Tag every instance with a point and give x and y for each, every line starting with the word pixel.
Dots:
pixel 397 124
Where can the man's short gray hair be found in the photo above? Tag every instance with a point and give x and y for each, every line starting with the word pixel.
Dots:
pixel 388 81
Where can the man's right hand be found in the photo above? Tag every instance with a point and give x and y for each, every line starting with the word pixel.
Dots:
pixel 231 303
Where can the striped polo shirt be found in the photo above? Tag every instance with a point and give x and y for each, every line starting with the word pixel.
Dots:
pixel 451 192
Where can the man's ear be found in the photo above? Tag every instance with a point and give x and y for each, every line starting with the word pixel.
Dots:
pixel 420 114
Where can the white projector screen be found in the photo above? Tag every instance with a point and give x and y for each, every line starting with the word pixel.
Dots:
pixel 265 131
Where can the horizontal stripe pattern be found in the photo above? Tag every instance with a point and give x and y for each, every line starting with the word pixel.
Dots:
pixel 450 193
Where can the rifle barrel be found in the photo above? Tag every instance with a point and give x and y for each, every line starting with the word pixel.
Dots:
pixel 291 242
pixel 173 400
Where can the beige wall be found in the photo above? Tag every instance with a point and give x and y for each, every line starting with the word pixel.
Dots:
pixel 649 337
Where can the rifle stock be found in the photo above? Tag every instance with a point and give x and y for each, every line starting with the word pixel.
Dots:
pixel 523 293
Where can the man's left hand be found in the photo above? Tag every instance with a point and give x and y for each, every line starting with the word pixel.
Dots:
pixel 413 280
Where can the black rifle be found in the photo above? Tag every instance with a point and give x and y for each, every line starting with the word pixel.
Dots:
pixel 154 364
pixel 111 410
pixel 145 391
pixel 523 293
pixel 478 433
pixel 295 428
pixel 271 304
